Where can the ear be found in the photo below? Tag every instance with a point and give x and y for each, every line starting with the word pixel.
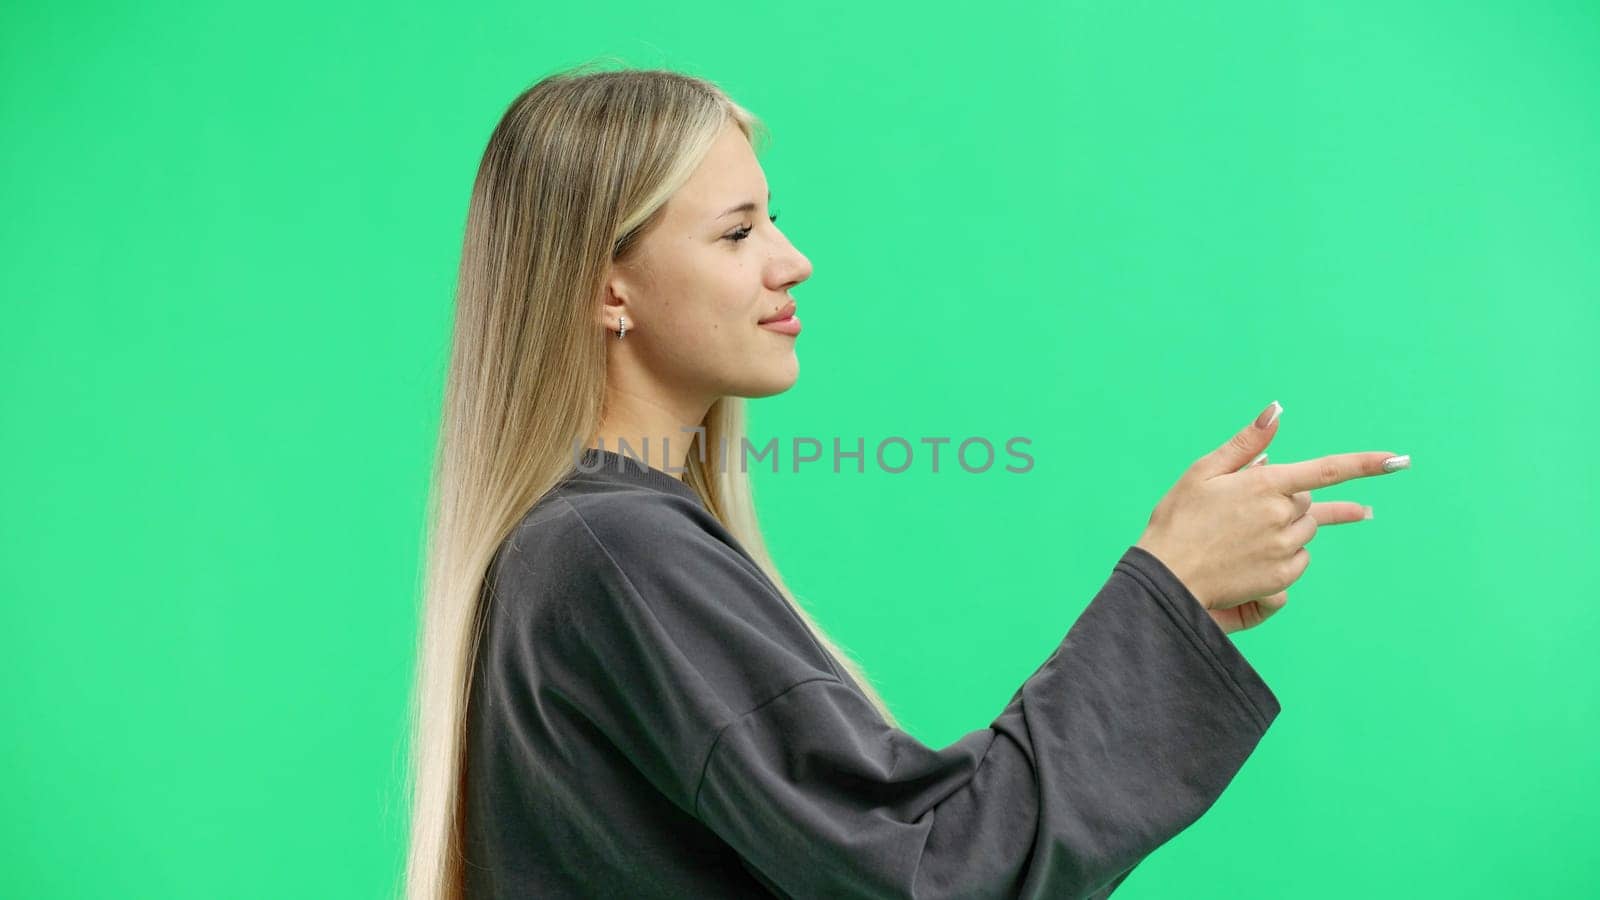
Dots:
pixel 613 302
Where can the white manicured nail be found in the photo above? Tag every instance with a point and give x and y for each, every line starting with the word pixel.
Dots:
pixel 1396 463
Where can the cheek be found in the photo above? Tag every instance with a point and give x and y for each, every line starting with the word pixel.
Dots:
pixel 710 322
pixel 728 305
pixel 713 310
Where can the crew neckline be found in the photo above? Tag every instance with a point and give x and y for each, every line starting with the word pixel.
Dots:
pixel 608 465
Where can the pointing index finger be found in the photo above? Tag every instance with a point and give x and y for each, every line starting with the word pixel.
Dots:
pixel 1291 478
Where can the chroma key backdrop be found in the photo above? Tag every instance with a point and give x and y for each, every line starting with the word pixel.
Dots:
pixel 230 246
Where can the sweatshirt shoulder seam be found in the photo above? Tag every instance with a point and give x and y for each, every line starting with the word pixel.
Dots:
pixel 617 567
pixel 705 765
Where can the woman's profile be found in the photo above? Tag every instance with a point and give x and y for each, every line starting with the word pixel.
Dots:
pixel 618 696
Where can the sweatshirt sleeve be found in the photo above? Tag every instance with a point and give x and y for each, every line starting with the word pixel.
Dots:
pixel 1117 742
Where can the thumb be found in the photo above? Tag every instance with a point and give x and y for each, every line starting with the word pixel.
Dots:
pixel 1242 447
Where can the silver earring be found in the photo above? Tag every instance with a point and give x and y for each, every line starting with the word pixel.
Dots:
pixel 622 326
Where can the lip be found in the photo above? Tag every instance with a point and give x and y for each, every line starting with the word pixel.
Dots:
pixel 789 326
pixel 786 312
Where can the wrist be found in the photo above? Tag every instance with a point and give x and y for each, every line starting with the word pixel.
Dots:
pixel 1179 570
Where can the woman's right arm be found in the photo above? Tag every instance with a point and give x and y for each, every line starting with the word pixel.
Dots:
pixel 685 656
pixel 1124 736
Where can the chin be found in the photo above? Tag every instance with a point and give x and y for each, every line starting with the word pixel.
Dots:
pixel 774 381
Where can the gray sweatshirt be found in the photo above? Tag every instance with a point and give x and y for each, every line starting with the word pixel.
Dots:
pixel 649 718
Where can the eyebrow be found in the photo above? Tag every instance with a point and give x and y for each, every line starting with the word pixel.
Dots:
pixel 746 206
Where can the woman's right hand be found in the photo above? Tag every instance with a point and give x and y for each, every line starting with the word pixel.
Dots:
pixel 1233 535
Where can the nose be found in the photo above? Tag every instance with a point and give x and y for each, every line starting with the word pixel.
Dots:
pixel 792 268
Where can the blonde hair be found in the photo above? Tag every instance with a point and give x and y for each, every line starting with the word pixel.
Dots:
pixel 578 169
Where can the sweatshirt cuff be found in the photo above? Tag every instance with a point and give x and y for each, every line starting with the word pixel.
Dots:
pixel 1191 618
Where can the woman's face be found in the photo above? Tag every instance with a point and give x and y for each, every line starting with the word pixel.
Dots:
pixel 699 284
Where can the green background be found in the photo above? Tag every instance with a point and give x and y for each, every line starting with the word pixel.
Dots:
pixel 1120 230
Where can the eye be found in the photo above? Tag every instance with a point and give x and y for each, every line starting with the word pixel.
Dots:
pixel 742 233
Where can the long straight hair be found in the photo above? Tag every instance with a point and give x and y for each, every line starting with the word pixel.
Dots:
pixel 578 169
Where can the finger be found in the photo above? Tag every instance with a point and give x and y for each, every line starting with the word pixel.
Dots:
pixel 1302 530
pixel 1266 606
pixel 1242 447
pixel 1302 502
pixel 1255 462
pixel 1338 512
pixel 1254 612
pixel 1298 563
pixel 1292 478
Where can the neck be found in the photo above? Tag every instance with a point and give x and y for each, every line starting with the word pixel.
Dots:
pixel 659 431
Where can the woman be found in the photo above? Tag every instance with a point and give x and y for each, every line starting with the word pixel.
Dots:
pixel 617 695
